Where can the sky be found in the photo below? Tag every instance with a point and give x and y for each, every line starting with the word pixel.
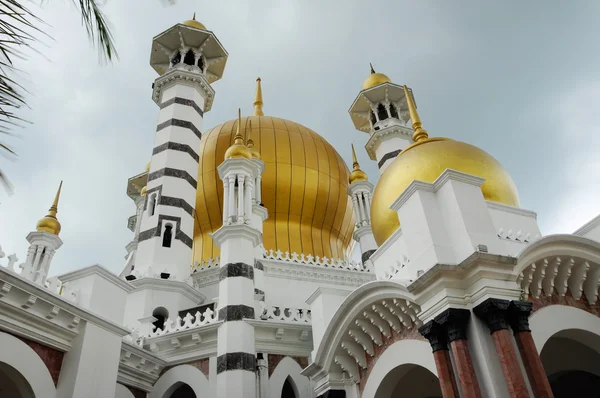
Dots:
pixel 520 80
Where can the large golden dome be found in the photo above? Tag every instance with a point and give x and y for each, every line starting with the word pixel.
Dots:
pixel 426 160
pixel 303 188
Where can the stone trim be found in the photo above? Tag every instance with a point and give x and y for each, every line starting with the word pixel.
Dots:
pixel 156 231
pixel 494 313
pixel 183 101
pixel 180 123
pixel 176 202
pixel 236 361
pixel 235 313
pixel 170 172
pixel 518 316
pixel 367 255
pixel 258 291
pixel 454 321
pixel 232 270
pixel 259 265
pixel 175 146
pixel 435 334
pixel 389 155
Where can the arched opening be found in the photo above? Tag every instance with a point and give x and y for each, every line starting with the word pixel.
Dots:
pixel 183 391
pixel 176 58
pixel 381 112
pixel 152 204
pixel 189 58
pixel 571 359
pixel 394 111
pixel 200 63
pixel 409 381
pixel 167 235
pixel 288 389
pixel 161 314
pixel 373 118
pixel 13 384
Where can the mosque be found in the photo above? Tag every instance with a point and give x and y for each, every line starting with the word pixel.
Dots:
pixel 239 280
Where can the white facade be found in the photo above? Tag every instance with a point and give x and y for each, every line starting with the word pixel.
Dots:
pixel 463 277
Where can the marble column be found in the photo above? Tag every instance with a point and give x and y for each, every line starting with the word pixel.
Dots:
pixel 455 321
pixel 436 335
pixel 518 317
pixel 494 312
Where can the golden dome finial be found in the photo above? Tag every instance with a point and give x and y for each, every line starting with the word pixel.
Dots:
pixel 420 134
pixel 194 24
pixel 50 223
pixel 250 142
pixel 258 100
pixel 238 149
pixel 372 70
pixel 357 174
pixel 194 17
pixel 375 79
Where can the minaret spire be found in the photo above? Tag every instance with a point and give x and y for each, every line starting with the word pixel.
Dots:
pixel 258 100
pixel 50 223
pixel 357 174
pixel 372 70
pixel 420 134
pixel 354 160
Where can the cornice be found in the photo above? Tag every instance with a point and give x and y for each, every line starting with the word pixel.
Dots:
pixel 168 285
pixel 236 231
pixel 174 76
pixel 386 245
pixel 362 231
pixel 261 211
pixel 360 186
pixel 326 290
pixel 515 210
pixel 387 133
pixel 587 227
pixel 237 166
pixel 99 270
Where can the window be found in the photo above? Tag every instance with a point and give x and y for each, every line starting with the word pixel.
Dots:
pixel 161 314
pixel 373 118
pixel 200 63
pixel 189 58
pixel 381 112
pixel 152 205
pixel 176 58
pixel 394 111
pixel 167 235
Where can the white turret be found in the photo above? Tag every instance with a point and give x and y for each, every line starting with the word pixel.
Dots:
pixel 43 244
pixel 360 191
pixel 188 57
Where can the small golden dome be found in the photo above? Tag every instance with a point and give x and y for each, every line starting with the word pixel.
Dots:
pixel 375 79
pixel 143 191
pixel 238 149
pixel 50 223
pixel 194 24
pixel 426 160
pixel 357 174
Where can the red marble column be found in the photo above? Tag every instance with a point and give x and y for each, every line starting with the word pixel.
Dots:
pixel 437 338
pixel 519 312
pixel 455 321
pixel 494 313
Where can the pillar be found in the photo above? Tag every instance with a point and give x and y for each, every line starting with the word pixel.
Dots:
pixel 494 312
pixel 436 335
pixel 455 321
pixel 519 312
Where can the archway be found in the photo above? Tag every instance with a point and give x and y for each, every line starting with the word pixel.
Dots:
pixel 288 389
pixel 183 391
pixel 183 381
pixel 409 381
pixel 571 359
pixel 23 371
pixel 287 382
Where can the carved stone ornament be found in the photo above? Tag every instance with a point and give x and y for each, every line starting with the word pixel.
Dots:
pixel 494 313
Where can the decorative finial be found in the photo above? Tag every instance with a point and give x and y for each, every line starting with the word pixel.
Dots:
pixel 372 70
pixel 238 149
pixel 258 100
pixel 420 134
pixel 50 222
pixel 194 17
pixel 357 174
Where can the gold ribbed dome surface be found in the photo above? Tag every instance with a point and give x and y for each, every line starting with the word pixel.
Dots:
pixel 194 24
pixel 375 79
pixel 425 161
pixel 303 188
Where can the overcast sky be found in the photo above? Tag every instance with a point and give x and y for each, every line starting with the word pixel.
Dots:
pixel 519 79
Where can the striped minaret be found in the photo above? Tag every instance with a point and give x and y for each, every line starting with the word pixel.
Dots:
pixel 360 191
pixel 237 238
pixel 188 57
pixel 380 110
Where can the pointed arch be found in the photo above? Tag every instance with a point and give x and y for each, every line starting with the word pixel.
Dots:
pixel 289 370
pixel 123 392
pixel 18 355
pixel 175 377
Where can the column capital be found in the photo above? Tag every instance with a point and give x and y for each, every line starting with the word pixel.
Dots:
pixel 518 315
pixel 494 312
pixel 436 335
pixel 455 321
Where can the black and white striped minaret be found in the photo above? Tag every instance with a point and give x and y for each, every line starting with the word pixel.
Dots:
pixel 189 58
pixel 238 239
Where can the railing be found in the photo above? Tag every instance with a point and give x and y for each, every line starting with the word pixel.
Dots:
pixel 276 313
pixel 311 260
pixel 188 322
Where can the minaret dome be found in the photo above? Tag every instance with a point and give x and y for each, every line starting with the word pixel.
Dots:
pixel 50 223
pixel 375 79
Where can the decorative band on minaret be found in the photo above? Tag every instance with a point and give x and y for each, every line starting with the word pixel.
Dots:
pixel 238 239
pixel 188 58
pixel 381 110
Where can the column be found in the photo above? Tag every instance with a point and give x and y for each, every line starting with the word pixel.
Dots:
pixel 240 204
pixel 494 312
pixel 436 335
pixel 226 199
pixel 231 198
pixel 455 321
pixel 518 317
